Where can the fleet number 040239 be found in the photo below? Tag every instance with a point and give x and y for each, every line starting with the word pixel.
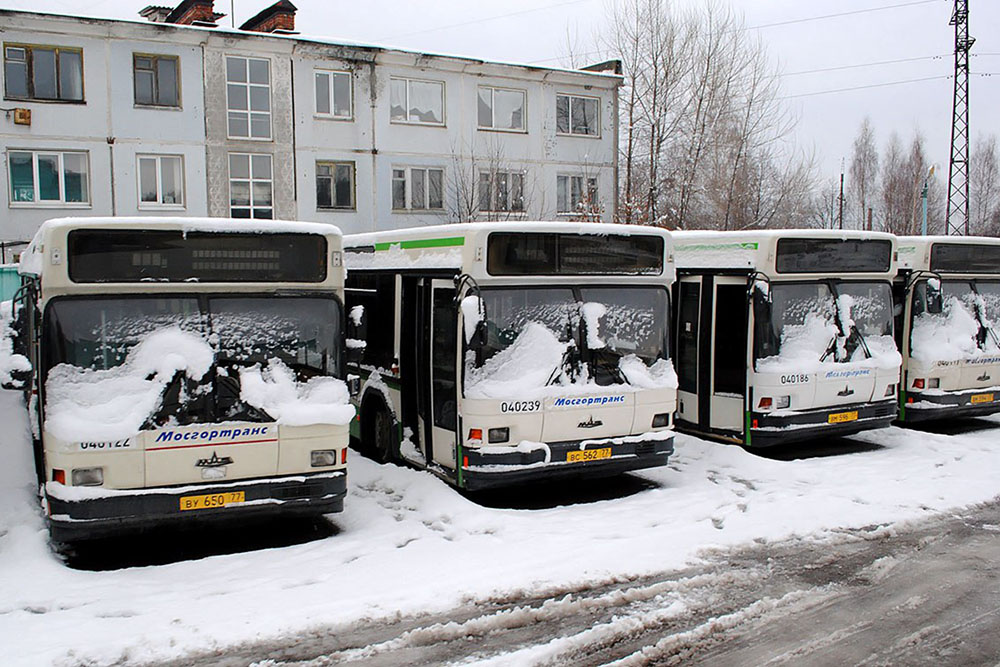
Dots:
pixel 520 406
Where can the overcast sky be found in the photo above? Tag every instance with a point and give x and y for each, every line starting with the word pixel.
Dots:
pixel 802 37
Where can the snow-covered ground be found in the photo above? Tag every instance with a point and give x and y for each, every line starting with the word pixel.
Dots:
pixel 408 543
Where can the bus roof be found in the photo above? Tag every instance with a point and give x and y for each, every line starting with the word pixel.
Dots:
pixel 753 250
pixel 451 246
pixel 31 259
pixel 915 254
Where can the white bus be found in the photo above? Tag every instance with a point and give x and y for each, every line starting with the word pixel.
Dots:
pixel 498 353
pixel 784 335
pixel 183 369
pixel 948 305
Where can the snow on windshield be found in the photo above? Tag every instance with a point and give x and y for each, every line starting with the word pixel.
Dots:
pixel 113 404
pixel 805 321
pixel 9 361
pixel 85 404
pixel 954 333
pixel 273 389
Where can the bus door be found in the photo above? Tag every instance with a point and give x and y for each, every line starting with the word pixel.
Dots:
pixel 437 371
pixel 712 352
pixel 729 354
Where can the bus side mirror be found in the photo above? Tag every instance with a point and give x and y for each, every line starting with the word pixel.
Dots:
pixel 935 302
pixel 479 336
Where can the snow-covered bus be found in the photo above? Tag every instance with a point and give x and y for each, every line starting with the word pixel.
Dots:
pixel 948 310
pixel 497 353
pixel 182 370
pixel 784 335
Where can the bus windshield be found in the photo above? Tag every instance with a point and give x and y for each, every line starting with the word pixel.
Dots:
pixel 953 319
pixel 86 335
pixel 606 335
pixel 822 322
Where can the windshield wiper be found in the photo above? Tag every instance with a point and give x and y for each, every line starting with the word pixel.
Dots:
pixel 984 329
pixel 853 338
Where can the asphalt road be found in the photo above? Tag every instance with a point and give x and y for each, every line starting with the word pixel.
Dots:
pixel 926 594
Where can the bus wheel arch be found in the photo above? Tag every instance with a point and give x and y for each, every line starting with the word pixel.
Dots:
pixel 379 431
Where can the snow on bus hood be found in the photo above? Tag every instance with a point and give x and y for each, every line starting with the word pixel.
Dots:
pixel 523 370
pixel 112 404
pixel 947 336
pixel 320 400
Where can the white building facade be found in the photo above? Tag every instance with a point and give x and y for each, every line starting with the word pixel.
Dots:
pixel 134 118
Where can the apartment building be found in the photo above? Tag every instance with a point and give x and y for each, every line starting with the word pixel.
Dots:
pixel 176 115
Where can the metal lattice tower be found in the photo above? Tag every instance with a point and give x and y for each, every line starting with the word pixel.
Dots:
pixel 957 217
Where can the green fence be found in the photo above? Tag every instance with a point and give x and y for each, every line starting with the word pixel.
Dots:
pixel 9 281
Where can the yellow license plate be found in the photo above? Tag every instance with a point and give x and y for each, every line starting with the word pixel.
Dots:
pixel 589 454
pixel 982 398
pixel 841 417
pixel 211 500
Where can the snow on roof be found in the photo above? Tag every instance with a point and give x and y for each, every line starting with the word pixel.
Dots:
pixel 466 229
pixel 320 40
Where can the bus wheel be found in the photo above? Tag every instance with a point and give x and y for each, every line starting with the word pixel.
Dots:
pixel 384 432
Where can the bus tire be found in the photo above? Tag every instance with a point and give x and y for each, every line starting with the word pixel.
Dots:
pixel 378 432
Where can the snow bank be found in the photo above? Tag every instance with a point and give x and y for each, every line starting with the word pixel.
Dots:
pixel 9 362
pixel 113 404
pixel 946 336
pixel 320 400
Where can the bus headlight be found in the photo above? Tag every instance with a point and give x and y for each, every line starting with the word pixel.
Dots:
pixel 88 476
pixel 782 402
pixel 661 420
pixel 321 458
pixel 499 434
pixel 890 390
pixel 933 383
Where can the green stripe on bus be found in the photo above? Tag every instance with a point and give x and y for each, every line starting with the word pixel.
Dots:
pixel 423 243
pixel 719 246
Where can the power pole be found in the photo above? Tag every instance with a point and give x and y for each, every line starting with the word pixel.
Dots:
pixel 840 199
pixel 957 216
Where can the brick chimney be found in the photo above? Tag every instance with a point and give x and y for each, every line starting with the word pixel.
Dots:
pixel 188 12
pixel 278 18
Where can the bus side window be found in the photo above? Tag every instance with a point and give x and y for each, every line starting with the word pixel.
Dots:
pixel 376 292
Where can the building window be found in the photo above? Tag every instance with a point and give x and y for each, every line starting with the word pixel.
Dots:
pixel 417 188
pixel 577 115
pixel 248 97
pixel 576 194
pixel 333 94
pixel 161 181
pixel 43 73
pixel 251 186
pixel 156 82
pixel 501 191
pixel 501 109
pixel 335 185
pixel 48 177
pixel 416 101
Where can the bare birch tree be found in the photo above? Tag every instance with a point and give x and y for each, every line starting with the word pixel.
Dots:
pixel 863 173
pixel 984 187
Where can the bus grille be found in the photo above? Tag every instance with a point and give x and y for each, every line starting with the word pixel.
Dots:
pixel 645 448
pixel 298 491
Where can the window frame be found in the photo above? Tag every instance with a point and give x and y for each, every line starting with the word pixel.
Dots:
pixel 248 111
pixel 408 189
pixel 159 205
pixel 493 178
pixel 37 202
pixel 156 80
pixel 29 73
pixel 251 207
pixel 333 181
pixel 493 117
pixel 586 179
pixel 571 133
pixel 408 120
pixel 331 73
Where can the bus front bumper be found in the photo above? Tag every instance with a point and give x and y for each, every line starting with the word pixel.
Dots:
pixel 84 513
pixel 768 429
pixel 919 406
pixel 492 468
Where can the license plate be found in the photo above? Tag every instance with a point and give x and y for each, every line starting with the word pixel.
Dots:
pixel 589 454
pixel 211 500
pixel 982 398
pixel 841 417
